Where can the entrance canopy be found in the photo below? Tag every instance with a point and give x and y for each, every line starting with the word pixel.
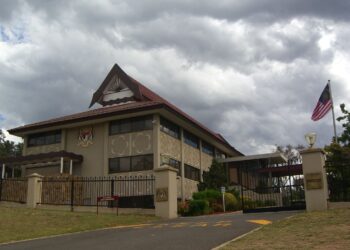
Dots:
pixel 41 158
pixel 39 161
pixel 272 158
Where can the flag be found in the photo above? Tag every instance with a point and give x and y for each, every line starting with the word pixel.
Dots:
pixel 323 105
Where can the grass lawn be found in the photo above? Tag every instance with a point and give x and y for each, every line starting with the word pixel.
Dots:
pixel 315 230
pixel 25 223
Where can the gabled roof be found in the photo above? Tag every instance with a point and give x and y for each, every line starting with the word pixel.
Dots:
pixel 145 99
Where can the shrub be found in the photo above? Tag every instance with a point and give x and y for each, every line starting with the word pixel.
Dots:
pixel 182 208
pixel 236 192
pixel 249 203
pixel 198 207
pixel 210 195
pixel 231 202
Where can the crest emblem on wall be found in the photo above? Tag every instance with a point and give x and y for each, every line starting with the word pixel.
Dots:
pixel 85 137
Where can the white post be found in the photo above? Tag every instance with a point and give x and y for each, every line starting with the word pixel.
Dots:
pixel 71 167
pixel 3 171
pixel 61 168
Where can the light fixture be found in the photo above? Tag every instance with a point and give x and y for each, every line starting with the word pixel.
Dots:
pixel 310 139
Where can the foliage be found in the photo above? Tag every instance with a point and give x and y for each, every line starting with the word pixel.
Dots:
pixel 231 202
pixel 183 208
pixel 215 178
pixel 236 192
pixel 344 138
pixel 212 196
pixel 198 207
pixel 291 152
pixel 338 161
pixel 9 148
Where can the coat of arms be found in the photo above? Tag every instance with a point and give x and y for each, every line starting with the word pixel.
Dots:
pixel 85 137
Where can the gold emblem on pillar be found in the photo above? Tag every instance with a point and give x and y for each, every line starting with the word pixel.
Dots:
pixel 161 194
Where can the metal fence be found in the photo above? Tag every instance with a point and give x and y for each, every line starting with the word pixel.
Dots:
pixel 338 175
pixel 133 191
pixel 14 190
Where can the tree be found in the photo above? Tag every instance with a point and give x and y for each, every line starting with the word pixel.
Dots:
pixel 338 161
pixel 9 148
pixel 291 152
pixel 215 178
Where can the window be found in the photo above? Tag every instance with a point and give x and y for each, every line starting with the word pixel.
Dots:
pixel 192 173
pixel 142 162
pixel 169 128
pixel 191 139
pixel 220 155
pixel 130 125
pixel 171 162
pixel 46 138
pixel 207 148
pixel 130 163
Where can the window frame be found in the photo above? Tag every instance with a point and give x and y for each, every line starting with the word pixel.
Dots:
pixel 130 168
pixel 190 171
pixel 205 149
pixel 191 139
pixel 170 128
pixel 115 127
pixel 42 139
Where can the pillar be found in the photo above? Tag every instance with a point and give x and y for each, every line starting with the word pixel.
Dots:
pixel 61 166
pixel 34 190
pixel 71 167
pixel 3 171
pixel 315 179
pixel 166 192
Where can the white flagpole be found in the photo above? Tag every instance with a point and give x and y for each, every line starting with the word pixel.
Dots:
pixel 335 130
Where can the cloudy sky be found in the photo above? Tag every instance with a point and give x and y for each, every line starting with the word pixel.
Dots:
pixel 251 70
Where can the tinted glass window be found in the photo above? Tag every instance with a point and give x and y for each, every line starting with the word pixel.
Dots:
pixel 131 125
pixel 191 139
pixel 131 163
pixel 44 138
pixel 207 148
pixel 192 173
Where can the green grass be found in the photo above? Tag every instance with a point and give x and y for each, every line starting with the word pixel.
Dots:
pixel 315 230
pixel 25 223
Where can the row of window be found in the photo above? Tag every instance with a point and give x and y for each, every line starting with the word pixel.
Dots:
pixel 132 125
pixel 173 130
pixel 171 162
pixel 130 164
pixel 44 138
pixel 192 173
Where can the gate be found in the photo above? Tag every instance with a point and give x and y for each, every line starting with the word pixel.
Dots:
pixel 13 190
pixel 276 188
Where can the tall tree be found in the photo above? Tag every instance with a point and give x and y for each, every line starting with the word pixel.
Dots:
pixel 215 178
pixel 291 152
pixel 9 148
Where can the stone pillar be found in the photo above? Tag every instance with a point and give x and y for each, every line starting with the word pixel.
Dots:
pixel 166 192
pixel 34 190
pixel 315 179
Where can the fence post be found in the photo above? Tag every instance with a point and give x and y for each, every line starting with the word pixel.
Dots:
pixel 166 192
pixel 34 190
pixel 0 187
pixel 72 196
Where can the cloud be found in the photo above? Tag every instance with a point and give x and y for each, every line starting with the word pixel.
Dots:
pixel 252 71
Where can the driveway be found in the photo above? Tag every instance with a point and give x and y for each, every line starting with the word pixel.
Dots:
pixel 203 232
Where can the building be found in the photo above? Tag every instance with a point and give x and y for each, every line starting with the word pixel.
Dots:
pixel 134 132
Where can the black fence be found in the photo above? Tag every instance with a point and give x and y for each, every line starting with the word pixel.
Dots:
pixel 338 175
pixel 133 191
pixel 13 190
pixel 263 192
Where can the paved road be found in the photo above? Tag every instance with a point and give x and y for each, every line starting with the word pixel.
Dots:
pixel 203 232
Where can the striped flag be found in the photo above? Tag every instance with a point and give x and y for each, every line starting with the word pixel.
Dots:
pixel 323 105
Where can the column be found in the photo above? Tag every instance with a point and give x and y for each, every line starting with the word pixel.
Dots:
pixel 3 171
pixel 61 166
pixel 315 179
pixel 166 192
pixel 71 167
pixel 182 165
pixel 34 190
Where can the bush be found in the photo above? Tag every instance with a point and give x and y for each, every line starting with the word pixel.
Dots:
pixel 182 208
pixel 198 207
pixel 231 202
pixel 249 203
pixel 236 192
pixel 210 195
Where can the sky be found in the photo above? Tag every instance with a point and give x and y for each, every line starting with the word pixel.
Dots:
pixel 250 70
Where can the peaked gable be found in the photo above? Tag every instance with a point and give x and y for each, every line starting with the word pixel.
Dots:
pixel 117 87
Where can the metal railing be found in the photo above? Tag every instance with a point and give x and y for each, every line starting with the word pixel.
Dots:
pixel 133 191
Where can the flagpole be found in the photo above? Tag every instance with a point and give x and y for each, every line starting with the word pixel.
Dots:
pixel 335 130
